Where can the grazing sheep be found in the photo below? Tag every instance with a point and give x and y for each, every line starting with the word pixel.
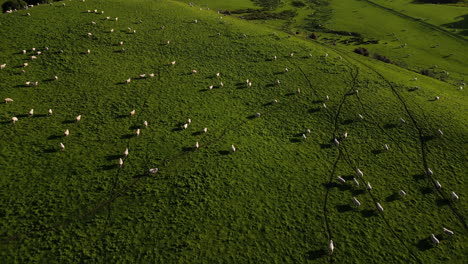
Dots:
pixel 337 143
pixel 197 145
pixel 137 132
pixel 331 247
pixel 185 126
pixel 402 193
pixel 454 195
pixel 221 84
pixel 112 30
pixel 436 98
pixel 62 146
pixel 304 136
pixel 50 112
pixel 327 98
pixel 359 173
pixel 379 207
pixel 195 21
pixel 438 185
pixel 291 54
pixel 345 135
pixel 189 121
pixel 25 65
pixel 151 75
pixel 356 182
pixel 24 51
pixel 324 106
pixel 78 118
pixel 257 114
pixel 14 119
pixel 153 170
pixel 133 112
pixel 274 57
pixel 402 121
pixel 88 51
pixel 120 162
pixel 429 171
pixel 440 132
pixel 249 84
pixel 31 112
pixel 275 101
pixel 278 82
pixel 386 147
pixel 326 55
pixel 56 78
pixel 90 34
pixel 66 133
pixel 434 239
pixel 341 180
pixel 361 117
pixel 233 148
pixel 194 71
pixel 8 100
pixel 210 87
pixel 3 66
pixel 218 74
pixel 308 131
pixel 368 186
pixel 116 19
pixel 129 80
pixel 286 70
pixel 142 76
pixel 33 57
pixel 145 123
pixel 173 62
pixel 356 202
pixel 107 18
pixel 448 232
pixel 125 153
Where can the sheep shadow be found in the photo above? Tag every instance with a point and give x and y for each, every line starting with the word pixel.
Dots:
pixel 295 140
pixel 325 146
pixel 344 208
pixel 427 138
pixel 377 151
pixel 392 197
pixel 120 83
pixel 128 136
pixel 135 127
pixel 419 177
pixel 68 121
pixel 198 133
pixel 316 254
pixel 289 94
pixel 442 202
pixel 113 157
pixel 224 152
pixel 141 176
pixel 268 104
pixel 412 89
pixel 280 72
pixel 390 126
pixel 314 110
pixel 48 80
pixel 250 117
pixel 122 116
pixel 426 190
pixel 109 167
pixel 52 137
pixel 50 150
pixel 368 213
pixel 357 192
pixel 39 115
pixel 347 122
pixel 318 101
pixel 432 100
pixel 5 122
pixel 22 115
pixel 176 129
pixel 188 149
pixel 424 244
pixel 203 90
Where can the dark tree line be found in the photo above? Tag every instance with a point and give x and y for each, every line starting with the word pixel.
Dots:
pixel 20 4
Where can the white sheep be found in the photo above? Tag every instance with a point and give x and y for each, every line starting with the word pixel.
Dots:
pixel 25 65
pixel 402 121
pixel 125 153
pixel 291 54
pixel 112 30
pixel 78 118
pixel 31 112
pixel 194 71
pixel 184 126
pixel 341 180
pixel 145 123
pixel 386 147
pixel 210 87
pixel 331 247
pixel 309 131
pixel 218 74
pixel 324 106
pixel 368 186
pixel 440 132
pixel 205 130
pixel 3 66
pixel 429 171
pixel 304 136
pixel 120 162
pixel 8 100
pixel 233 148
pixel 173 62
pixel 56 78
pixel 454 195
pixel 356 202
pixel 434 239
pixel 62 146
pixel 345 135
pixel 327 97
pixel 379 207
pixel 337 143
pixel 197 145
pixel 402 193
pixel 436 98
pixel 50 112
pixel 129 80
pixel 153 170
pixel 88 51
pixel 137 132
pixel 142 75
pixel 33 57
pixel 66 133
pixel 221 84
pixel 151 75
pixel 24 51
pixel 438 185
pixel 356 182
pixel 90 34
pixel 14 119
pixel 360 116
pixel 286 70
pixel 274 57
pixel 359 173
pixel 133 112
pixel 448 232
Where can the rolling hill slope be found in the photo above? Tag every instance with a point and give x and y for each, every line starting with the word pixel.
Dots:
pixel 276 199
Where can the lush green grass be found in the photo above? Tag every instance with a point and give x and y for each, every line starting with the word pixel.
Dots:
pixel 275 200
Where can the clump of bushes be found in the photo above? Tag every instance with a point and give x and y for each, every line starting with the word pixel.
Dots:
pixel 428 72
pixel 298 4
pixel 262 15
pixel 313 36
pixel 13 4
pixel 361 50
pixel 382 58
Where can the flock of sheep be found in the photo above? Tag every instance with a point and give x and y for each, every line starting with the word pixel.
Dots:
pixel 34 53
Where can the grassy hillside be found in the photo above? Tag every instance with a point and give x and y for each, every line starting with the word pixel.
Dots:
pixel 274 200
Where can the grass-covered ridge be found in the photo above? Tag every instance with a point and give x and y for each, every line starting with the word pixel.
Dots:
pixel 276 199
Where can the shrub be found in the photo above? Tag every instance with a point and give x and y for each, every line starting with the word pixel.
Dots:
pixel 298 4
pixel 362 51
pixel 382 58
pixel 13 4
pixel 313 36
pixel 428 72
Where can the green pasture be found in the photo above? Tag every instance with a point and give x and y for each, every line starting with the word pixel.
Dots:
pixel 276 199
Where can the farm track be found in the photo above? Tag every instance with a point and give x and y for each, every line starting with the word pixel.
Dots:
pixel 433 27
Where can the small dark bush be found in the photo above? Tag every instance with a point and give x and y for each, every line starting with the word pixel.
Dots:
pixel 382 58
pixel 13 4
pixel 313 36
pixel 362 51
pixel 298 4
pixel 428 72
